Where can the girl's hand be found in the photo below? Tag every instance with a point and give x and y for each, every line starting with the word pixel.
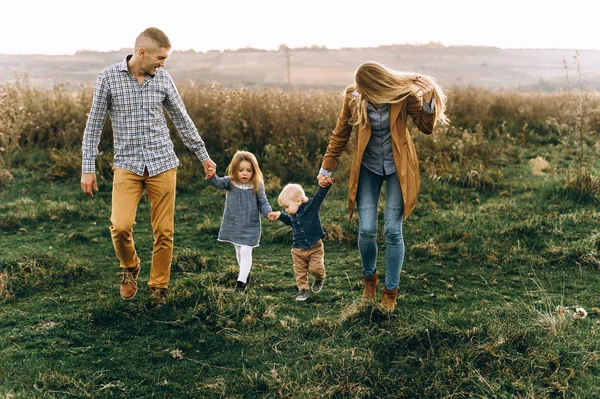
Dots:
pixel 273 215
pixel 210 168
pixel 426 86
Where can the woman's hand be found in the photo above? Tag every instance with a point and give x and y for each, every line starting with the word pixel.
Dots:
pixel 324 180
pixel 426 86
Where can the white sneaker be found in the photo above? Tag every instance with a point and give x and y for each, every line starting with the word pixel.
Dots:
pixel 317 286
pixel 302 295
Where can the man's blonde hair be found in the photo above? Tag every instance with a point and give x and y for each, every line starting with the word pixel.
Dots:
pixel 293 192
pixel 152 39
pixel 379 84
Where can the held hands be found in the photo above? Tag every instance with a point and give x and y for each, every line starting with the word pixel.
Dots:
pixel 426 86
pixel 210 168
pixel 324 180
pixel 274 215
pixel 89 183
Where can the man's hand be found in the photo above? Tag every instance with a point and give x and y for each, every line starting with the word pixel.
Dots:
pixel 210 168
pixel 274 215
pixel 89 183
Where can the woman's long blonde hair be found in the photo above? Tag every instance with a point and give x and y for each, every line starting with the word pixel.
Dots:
pixel 379 84
pixel 234 165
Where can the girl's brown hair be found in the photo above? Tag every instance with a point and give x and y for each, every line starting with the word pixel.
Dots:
pixel 379 84
pixel 238 158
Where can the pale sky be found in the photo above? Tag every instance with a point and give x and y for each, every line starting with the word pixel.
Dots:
pixel 65 26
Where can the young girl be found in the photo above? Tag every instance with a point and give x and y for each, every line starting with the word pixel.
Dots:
pixel 244 200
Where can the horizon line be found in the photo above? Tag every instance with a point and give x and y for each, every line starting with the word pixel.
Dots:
pixel 315 47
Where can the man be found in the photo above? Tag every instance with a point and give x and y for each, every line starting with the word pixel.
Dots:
pixel 134 92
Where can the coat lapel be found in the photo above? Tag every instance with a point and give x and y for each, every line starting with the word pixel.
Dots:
pixel 394 112
pixel 364 135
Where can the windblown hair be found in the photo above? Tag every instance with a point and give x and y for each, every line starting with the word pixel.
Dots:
pixel 379 84
pixel 151 39
pixel 234 165
pixel 293 192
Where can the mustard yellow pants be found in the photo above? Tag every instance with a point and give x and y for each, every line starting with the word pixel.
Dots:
pixel 127 192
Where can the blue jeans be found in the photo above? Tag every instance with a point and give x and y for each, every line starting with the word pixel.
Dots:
pixel 367 197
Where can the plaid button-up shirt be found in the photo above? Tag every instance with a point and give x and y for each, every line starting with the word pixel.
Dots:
pixel 141 136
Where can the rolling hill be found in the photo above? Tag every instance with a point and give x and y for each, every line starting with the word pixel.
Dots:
pixel 317 67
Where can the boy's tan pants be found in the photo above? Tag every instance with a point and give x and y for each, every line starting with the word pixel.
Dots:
pixel 311 260
pixel 127 192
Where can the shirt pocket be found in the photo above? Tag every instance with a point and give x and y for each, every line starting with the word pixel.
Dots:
pixel 125 103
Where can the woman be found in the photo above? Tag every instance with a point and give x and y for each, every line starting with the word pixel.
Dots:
pixel 378 104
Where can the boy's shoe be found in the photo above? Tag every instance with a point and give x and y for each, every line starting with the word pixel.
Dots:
pixel 317 286
pixel 158 296
pixel 128 287
pixel 302 295
pixel 240 287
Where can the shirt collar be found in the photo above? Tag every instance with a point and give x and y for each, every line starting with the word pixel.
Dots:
pixel 123 64
pixel 301 208
pixel 243 186
pixel 382 107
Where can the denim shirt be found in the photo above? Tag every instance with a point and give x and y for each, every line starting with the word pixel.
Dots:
pixel 378 156
pixel 306 225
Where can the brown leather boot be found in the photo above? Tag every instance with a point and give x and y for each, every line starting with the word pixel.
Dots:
pixel 158 296
pixel 388 299
pixel 370 287
pixel 129 283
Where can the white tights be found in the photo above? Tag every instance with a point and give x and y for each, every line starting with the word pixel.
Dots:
pixel 244 259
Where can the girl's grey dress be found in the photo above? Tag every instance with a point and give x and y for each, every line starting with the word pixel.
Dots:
pixel 241 220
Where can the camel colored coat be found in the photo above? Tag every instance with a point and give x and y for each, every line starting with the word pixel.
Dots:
pixel 405 156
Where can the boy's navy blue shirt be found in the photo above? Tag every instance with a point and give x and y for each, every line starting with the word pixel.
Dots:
pixel 306 225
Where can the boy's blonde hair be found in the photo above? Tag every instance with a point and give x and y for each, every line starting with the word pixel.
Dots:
pixel 238 158
pixel 292 191
pixel 379 84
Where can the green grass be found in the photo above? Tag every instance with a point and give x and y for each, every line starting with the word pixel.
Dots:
pixel 484 273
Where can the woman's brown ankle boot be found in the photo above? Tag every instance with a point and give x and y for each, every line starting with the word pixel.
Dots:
pixel 370 287
pixel 388 299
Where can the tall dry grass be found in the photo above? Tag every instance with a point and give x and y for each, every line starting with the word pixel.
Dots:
pixel 13 116
pixel 289 130
pixel 581 134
